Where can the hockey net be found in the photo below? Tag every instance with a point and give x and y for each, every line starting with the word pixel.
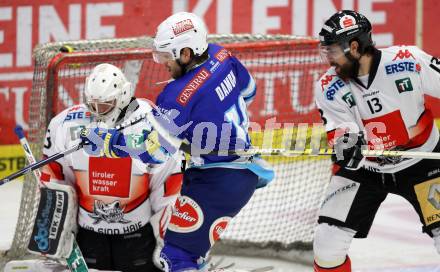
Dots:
pixel 280 218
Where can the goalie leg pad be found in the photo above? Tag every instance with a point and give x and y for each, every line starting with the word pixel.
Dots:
pixel 174 259
pixel 331 244
pixel 55 221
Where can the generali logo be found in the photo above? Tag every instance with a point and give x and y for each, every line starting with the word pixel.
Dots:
pixel 182 26
pixel 187 215
pixel 193 85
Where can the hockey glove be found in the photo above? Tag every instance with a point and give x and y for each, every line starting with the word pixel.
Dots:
pixel 348 150
pixel 103 142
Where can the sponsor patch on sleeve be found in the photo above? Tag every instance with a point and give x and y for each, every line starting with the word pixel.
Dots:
pixel 193 86
pixel 222 54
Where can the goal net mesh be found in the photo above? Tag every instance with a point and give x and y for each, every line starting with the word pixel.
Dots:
pixel 280 217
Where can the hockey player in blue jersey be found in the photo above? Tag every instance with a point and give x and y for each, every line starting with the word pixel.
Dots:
pixel 205 105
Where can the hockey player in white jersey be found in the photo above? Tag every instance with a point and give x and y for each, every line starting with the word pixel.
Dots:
pixel 373 97
pixel 120 199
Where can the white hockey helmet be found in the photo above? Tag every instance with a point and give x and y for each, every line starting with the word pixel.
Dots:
pixel 107 93
pixel 178 31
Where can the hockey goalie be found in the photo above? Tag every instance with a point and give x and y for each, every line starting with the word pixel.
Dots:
pixel 120 200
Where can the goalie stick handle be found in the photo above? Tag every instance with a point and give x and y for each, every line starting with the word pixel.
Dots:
pixel 36 165
pixel 187 148
pixel 27 150
pixel 32 167
pixel 75 255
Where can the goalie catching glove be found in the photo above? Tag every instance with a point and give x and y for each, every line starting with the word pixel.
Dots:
pixel 348 150
pixel 111 143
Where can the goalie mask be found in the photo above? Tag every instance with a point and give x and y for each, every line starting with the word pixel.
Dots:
pixel 179 31
pixel 107 93
pixel 342 28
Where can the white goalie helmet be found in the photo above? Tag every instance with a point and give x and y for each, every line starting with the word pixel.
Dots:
pixel 107 93
pixel 178 31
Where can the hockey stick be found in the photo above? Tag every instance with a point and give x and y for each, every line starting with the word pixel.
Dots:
pixel 189 149
pixel 75 261
pixel 27 150
pixel 330 151
pixel 36 165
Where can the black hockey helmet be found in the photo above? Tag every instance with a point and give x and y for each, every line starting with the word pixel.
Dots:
pixel 345 26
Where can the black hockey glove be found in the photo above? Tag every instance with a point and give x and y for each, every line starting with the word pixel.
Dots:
pixel 348 150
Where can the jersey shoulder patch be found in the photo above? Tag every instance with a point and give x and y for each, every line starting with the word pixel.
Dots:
pixel 330 84
pixel 77 112
pixel 400 59
pixel 192 86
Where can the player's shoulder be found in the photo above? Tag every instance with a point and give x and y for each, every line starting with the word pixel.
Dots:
pixel 185 89
pixel 144 104
pixel 73 114
pixel 401 52
pixel 330 85
pixel 182 90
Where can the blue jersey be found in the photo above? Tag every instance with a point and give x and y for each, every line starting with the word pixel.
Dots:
pixel 210 103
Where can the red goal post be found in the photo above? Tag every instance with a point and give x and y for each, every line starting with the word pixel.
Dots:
pixel 280 217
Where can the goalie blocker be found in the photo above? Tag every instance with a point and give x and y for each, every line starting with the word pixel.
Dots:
pixel 54 229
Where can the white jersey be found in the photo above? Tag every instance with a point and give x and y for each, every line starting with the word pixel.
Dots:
pixel 115 196
pixel 390 108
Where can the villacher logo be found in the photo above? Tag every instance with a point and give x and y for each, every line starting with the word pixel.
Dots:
pixel 187 215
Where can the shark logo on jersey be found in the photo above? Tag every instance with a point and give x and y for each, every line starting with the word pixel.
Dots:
pixel 110 213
